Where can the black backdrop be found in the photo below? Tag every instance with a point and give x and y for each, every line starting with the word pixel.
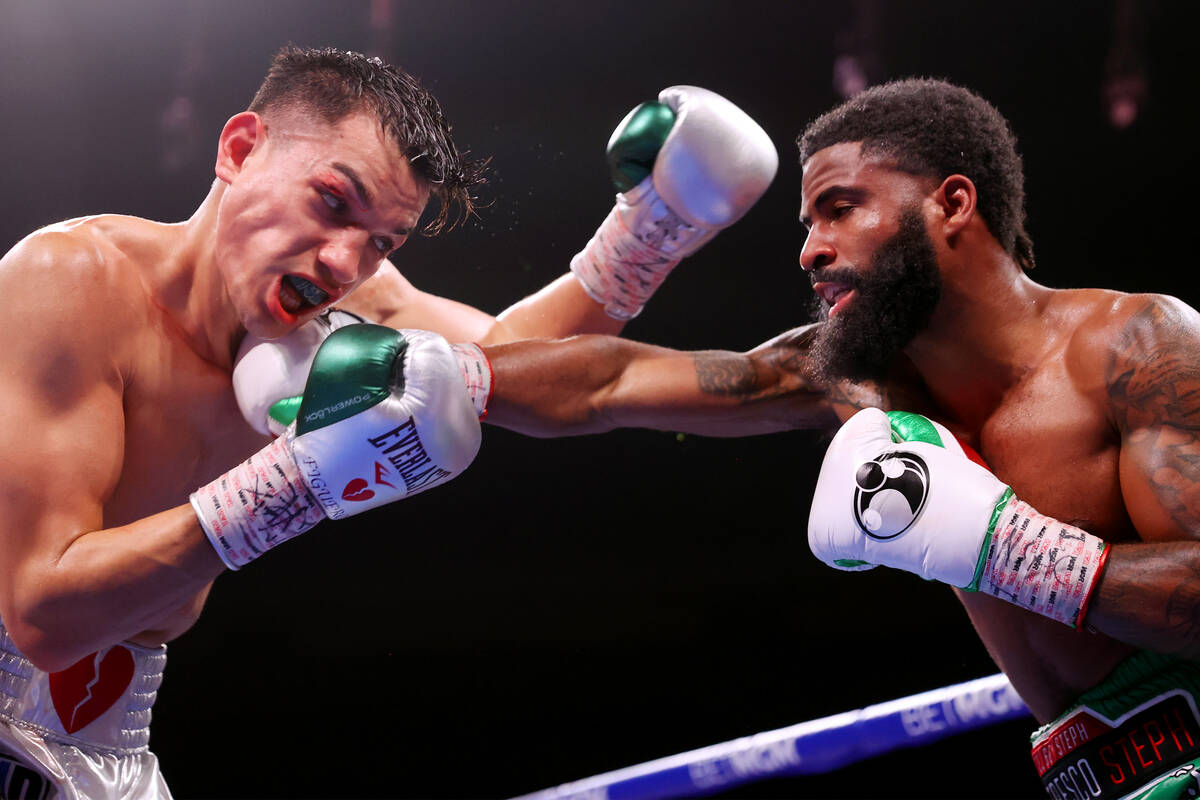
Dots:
pixel 574 606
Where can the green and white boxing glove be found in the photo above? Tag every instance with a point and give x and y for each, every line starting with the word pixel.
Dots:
pixel 269 376
pixel 686 167
pixel 384 415
pixel 899 490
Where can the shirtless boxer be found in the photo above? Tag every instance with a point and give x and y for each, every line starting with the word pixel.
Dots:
pixel 1086 402
pixel 127 482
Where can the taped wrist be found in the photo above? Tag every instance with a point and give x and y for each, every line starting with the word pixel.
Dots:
pixel 634 249
pixel 1039 563
pixel 257 505
pixel 476 375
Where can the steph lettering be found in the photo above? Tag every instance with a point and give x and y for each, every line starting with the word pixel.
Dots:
pixel 1085 758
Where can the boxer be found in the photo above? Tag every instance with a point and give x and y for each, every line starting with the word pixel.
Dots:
pixel 131 481
pixel 1075 551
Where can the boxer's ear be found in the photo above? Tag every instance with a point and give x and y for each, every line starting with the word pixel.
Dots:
pixel 237 139
pixel 957 199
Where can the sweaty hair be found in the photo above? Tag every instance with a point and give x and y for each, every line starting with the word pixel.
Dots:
pixel 332 84
pixel 935 129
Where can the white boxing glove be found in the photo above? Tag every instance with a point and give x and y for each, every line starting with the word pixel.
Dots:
pixel 687 166
pixel 384 415
pixel 269 376
pixel 899 490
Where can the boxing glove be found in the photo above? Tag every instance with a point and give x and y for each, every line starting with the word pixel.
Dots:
pixel 899 490
pixel 269 376
pixel 384 415
pixel 686 167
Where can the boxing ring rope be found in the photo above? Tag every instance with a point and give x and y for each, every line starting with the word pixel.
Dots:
pixel 808 748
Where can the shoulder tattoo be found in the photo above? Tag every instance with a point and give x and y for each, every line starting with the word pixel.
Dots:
pixel 1153 381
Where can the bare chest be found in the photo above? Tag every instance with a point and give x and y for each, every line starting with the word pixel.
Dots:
pixel 182 429
pixel 1058 450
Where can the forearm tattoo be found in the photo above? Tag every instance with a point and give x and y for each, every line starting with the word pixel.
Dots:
pixel 725 375
pixel 780 368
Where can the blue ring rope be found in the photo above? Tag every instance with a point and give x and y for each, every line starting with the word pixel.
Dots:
pixel 820 745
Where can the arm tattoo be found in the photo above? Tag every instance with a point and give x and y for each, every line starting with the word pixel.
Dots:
pixel 1154 382
pixel 725 375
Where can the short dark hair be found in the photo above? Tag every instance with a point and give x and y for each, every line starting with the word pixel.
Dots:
pixel 936 129
pixel 335 83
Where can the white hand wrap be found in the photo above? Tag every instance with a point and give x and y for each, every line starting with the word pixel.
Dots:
pixel 712 168
pixel 1041 564
pixel 257 505
pixel 476 375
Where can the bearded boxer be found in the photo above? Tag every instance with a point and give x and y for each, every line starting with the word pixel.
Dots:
pixel 130 481
pixel 1075 551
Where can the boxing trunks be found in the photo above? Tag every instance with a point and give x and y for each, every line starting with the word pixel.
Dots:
pixel 82 733
pixel 1135 735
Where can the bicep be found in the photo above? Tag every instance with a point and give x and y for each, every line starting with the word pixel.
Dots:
pixel 62 431
pixel 1154 383
pixel 1160 482
pixel 62 457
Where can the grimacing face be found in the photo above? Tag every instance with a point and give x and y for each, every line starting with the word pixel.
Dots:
pixel 309 214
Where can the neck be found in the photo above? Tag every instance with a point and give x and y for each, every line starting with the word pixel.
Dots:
pixel 190 288
pixel 983 337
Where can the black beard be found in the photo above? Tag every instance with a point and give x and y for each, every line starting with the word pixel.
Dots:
pixel 896 296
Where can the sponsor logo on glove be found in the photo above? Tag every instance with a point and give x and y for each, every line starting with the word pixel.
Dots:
pixel 890 493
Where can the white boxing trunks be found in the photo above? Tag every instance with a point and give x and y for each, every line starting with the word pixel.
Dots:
pixel 82 733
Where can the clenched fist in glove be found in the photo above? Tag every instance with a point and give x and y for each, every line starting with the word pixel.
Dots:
pixel 687 166
pixel 384 415
pixel 898 490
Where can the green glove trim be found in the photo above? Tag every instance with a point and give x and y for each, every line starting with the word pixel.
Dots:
pixel 635 143
pixel 284 411
pixel 910 427
pixel 850 562
pixel 356 368
pixel 973 586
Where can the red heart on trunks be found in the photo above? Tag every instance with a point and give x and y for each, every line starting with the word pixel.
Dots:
pixel 90 686
pixel 357 491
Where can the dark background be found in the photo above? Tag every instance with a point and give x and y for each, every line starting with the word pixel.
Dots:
pixel 574 606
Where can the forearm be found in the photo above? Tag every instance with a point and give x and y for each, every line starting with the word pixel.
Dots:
pixel 109 585
pixel 591 384
pixel 1149 597
pixel 562 308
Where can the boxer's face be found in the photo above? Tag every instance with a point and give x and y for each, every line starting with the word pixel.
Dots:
pixel 868 253
pixel 309 213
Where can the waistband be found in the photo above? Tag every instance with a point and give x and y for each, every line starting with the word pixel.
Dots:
pixel 100 702
pixel 1141 721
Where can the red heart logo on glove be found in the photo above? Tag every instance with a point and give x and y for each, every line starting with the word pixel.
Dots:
pixel 90 686
pixel 357 491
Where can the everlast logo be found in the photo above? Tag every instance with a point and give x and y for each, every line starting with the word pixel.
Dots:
pixel 1085 757
pixel 404 451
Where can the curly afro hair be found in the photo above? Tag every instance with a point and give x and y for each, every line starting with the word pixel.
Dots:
pixel 933 128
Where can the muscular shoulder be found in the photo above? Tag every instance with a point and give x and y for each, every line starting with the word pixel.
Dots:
pixel 70 291
pixel 1142 351
pixel 69 264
